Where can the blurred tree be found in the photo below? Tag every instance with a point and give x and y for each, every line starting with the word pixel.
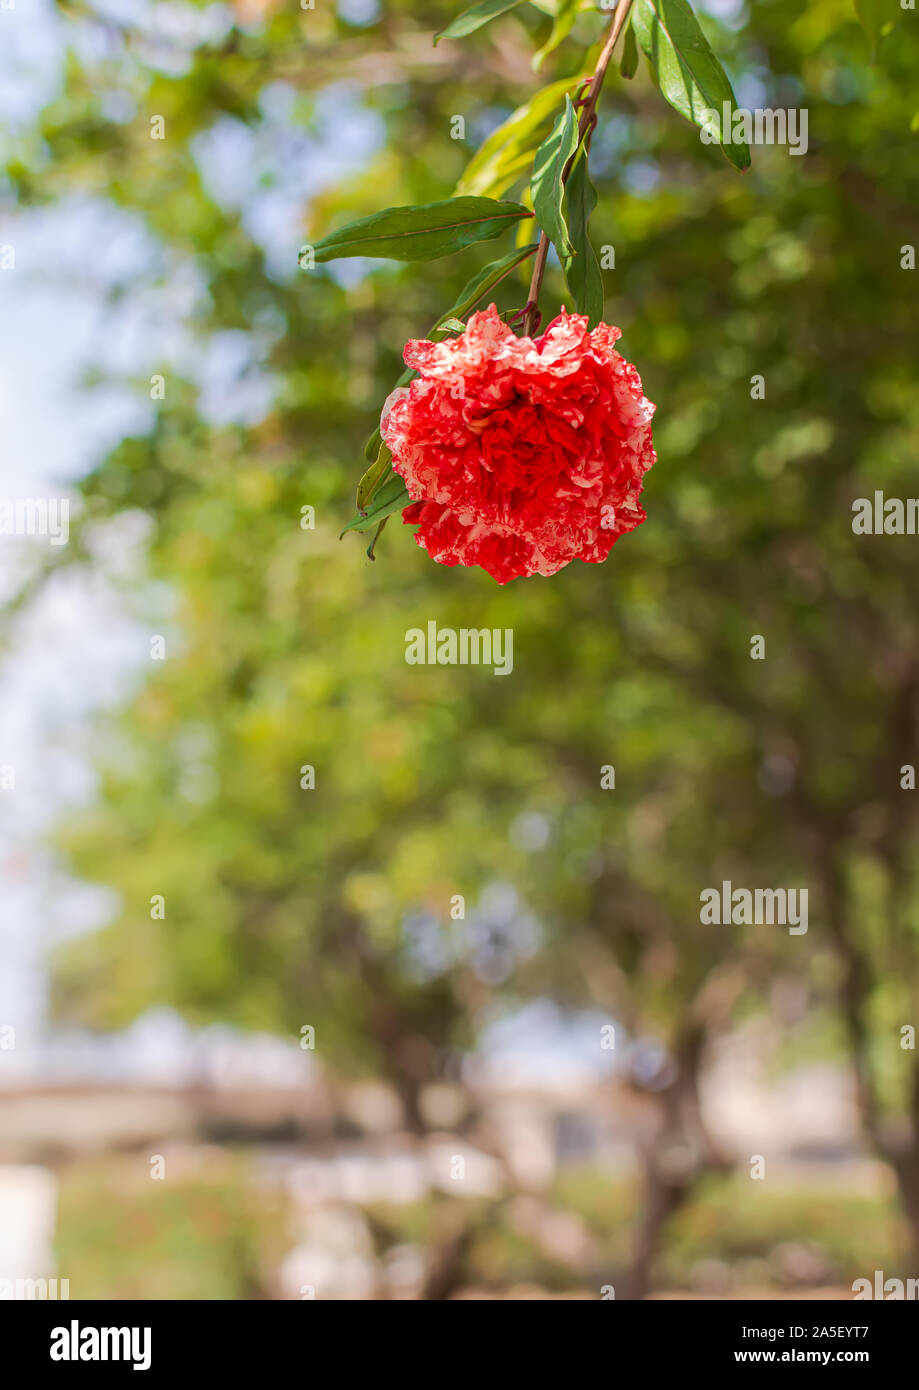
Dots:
pixel 331 906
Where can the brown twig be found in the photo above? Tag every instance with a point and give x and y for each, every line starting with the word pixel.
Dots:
pixel 588 119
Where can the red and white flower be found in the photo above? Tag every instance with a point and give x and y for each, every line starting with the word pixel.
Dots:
pixel 519 454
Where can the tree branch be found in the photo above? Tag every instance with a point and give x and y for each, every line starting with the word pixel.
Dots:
pixel 587 118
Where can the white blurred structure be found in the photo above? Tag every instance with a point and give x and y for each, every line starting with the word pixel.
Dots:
pixel 28 1207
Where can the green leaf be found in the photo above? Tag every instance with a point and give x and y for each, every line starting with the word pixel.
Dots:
pixel 688 73
pixel 483 281
pixel 562 26
pixel 422 233
pixel 376 536
pixel 378 470
pixel 582 271
pixel 509 150
pixel 474 18
pixel 450 326
pixel 391 497
pixel 548 189
pixel 629 63
pixel 372 447
pixel 876 18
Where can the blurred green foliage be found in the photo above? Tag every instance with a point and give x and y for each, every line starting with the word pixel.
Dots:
pixel 220 1237
pixel 197 1236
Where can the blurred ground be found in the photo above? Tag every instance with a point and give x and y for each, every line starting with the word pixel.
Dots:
pixel 306 1192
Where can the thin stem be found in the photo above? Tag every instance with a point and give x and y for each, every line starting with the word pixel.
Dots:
pixel 596 82
pixel 587 116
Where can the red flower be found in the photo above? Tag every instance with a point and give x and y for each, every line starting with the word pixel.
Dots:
pixel 521 455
